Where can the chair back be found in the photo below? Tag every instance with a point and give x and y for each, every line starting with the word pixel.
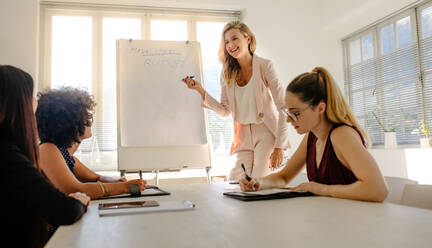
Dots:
pixel 396 187
pixel 417 195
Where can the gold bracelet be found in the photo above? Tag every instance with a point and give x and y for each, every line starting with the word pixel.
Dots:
pixel 103 188
pixel 106 189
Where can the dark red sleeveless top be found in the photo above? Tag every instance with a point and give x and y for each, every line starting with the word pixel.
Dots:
pixel 331 170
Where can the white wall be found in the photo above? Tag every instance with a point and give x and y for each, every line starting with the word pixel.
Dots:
pixel 287 32
pixel 19 34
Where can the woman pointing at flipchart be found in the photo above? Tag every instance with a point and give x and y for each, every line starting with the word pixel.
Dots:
pixel 253 95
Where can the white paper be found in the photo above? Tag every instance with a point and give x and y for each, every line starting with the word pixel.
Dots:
pixel 163 207
pixel 155 106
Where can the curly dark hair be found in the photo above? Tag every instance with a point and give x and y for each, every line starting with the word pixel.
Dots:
pixel 62 115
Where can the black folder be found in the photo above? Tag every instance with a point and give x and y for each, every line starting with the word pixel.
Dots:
pixel 245 196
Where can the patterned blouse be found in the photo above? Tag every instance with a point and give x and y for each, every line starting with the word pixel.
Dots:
pixel 67 157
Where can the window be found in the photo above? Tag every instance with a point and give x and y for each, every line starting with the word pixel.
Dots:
pixel 68 32
pixel 80 48
pixel 387 75
pixel 220 129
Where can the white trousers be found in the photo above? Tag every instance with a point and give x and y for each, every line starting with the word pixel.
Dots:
pixel 257 143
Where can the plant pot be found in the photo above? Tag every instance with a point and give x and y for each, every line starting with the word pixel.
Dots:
pixel 425 142
pixel 390 141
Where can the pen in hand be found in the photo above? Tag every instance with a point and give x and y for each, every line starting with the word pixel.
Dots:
pixel 247 175
pixel 189 77
pixel 140 174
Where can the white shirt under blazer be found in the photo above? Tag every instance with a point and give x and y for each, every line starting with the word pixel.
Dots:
pixel 269 99
pixel 246 110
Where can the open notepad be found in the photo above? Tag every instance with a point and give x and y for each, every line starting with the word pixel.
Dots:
pixel 135 207
pixel 267 194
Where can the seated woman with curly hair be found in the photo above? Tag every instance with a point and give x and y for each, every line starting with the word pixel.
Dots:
pixel 64 118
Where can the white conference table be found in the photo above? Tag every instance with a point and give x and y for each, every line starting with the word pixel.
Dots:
pixel 219 221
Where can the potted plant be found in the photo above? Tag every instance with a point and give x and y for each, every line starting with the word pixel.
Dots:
pixel 390 140
pixel 425 141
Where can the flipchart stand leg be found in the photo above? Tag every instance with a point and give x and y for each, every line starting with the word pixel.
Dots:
pixel 208 174
pixel 156 177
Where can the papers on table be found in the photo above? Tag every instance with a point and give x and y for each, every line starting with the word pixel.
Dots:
pixel 164 206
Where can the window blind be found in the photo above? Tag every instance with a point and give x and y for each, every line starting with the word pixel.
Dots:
pixel 383 78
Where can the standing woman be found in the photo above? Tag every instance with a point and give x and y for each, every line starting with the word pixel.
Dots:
pixel 253 95
pixel 30 202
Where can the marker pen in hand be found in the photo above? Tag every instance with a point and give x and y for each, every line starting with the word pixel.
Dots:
pixel 247 175
pixel 189 77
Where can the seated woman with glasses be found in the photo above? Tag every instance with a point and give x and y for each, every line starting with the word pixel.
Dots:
pixel 333 148
pixel 64 118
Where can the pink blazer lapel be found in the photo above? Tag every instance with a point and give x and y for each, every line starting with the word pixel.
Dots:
pixel 258 86
pixel 231 98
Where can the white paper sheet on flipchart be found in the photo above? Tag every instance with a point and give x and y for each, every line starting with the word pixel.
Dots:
pixel 164 206
pixel 156 108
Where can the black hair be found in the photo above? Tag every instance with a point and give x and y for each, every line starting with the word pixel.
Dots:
pixel 17 120
pixel 63 114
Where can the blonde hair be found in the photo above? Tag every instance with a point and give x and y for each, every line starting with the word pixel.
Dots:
pixel 231 68
pixel 319 86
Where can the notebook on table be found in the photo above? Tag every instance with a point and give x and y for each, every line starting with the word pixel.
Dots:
pixel 150 190
pixel 267 194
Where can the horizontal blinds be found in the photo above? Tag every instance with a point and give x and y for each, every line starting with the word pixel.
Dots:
pixel 386 89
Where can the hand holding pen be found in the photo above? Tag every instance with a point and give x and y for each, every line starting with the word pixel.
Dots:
pixel 194 85
pixel 247 183
pixel 190 82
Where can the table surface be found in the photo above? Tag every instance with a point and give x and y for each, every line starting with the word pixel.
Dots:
pixel 219 221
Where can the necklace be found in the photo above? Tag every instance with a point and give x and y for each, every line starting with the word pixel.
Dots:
pixel 242 81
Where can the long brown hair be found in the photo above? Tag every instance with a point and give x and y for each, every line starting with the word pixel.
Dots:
pixel 319 86
pixel 231 67
pixel 17 119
